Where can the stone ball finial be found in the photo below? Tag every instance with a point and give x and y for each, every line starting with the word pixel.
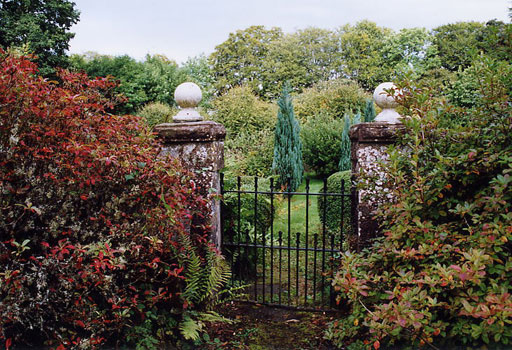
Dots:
pixel 387 103
pixel 187 96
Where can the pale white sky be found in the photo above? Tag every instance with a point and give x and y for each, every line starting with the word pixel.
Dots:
pixel 185 28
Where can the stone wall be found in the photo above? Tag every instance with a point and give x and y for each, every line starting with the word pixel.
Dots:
pixel 200 147
pixel 369 144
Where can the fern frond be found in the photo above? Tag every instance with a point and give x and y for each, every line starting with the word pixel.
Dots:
pixel 190 328
pixel 212 316
pixel 219 273
pixel 228 294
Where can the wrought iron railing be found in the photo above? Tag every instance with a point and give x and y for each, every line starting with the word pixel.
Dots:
pixel 283 267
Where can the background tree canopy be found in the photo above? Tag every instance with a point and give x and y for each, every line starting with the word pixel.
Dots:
pixel 237 61
pixel 331 73
pixel 152 80
pixel 41 27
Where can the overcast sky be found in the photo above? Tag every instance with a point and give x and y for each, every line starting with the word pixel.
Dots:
pixel 186 28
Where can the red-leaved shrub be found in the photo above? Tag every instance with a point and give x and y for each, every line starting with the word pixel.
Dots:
pixel 97 231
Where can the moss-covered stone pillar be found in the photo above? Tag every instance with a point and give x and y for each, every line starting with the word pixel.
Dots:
pixel 199 144
pixel 369 142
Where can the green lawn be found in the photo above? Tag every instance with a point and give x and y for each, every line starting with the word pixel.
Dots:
pixel 298 213
pixel 290 276
pixel 297 274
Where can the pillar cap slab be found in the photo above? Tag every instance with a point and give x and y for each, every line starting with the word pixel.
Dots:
pixel 375 132
pixel 202 131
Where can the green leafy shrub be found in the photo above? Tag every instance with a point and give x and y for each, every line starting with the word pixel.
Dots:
pixel 333 97
pixel 156 113
pixel 442 272
pixel 250 154
pixel 333 205
pixel 249 123
pixel 465 90
pixel 321 139
pixel 100 237
pixel 240 111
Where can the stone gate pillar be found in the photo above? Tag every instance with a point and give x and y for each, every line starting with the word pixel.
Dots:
pixel 369 142
pixel 199 144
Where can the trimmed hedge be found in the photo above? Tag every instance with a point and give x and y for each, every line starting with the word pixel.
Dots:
pixel 247 213
pixel 334 204
pixel 321 144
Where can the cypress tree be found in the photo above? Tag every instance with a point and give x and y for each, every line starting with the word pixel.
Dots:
pixel 369 111
pixel 287 161
pixel 357 118
pixel 345 145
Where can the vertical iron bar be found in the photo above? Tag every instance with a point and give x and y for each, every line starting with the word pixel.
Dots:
pixel 263 241
pixel 306 251
pixel 246 250
pixel 354 199
pixel 238 235
pixel 255 238
pixel 324 232
pixel 315 244
pixel 297 268
pixel 342 212
pixel 280 262
pixel 332 242
pixel 221 228
pixel 289 267
pixel 289 236
pixel 238 231
pixel 271 239
pixel 331 289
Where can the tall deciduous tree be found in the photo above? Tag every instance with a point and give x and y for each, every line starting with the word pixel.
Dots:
pixel 361 56
pixel 40 25
pixel 457 43
pixel 238 60
pixel 407 50
pixel 287 162
pixel 303 58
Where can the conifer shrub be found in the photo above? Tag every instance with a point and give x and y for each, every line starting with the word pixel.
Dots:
pixel 101 239
pixel 287 162
pixel 345 146
pixel 369 112
pixel 442 272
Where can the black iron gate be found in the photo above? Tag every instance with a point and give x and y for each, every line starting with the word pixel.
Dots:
pixel 280 261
